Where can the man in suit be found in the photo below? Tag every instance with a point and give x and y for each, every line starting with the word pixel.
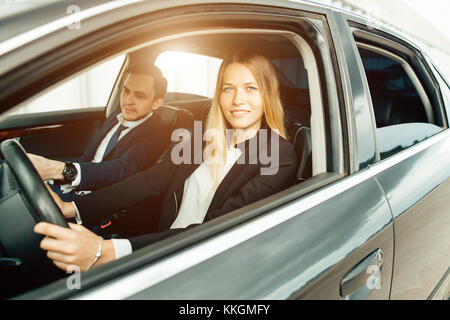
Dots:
pixel 129 141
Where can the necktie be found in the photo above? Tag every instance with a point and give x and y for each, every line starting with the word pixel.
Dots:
pixel 113 141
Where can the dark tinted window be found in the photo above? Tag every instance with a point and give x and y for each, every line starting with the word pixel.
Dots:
pixel 395 99
pixel 396 102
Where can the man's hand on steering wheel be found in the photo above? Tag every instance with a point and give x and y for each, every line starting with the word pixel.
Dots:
pixel 33 188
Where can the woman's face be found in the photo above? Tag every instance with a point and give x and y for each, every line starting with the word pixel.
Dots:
pixel 241 99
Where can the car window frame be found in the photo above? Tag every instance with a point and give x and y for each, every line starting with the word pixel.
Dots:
pixel 406 53
pixel 409 72
pixel 204 231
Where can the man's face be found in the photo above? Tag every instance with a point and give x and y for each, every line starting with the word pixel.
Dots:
pixel 137 97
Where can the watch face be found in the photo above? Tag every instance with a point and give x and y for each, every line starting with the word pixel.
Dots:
pixel 70 172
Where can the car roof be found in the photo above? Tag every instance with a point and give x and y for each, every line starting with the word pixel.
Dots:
pixel 48 21
pixel 19 18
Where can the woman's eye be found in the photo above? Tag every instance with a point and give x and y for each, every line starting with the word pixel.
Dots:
pixel 252 88
pixel 227 89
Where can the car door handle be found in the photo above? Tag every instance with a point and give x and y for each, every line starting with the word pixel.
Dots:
pixel 363 278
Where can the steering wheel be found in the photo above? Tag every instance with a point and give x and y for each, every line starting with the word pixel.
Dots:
pixel 24 203
pixel 36 193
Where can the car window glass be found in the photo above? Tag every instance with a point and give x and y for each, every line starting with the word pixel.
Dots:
pixel 91 88
pixel 395 100
pixel 398 137
pixel 189 76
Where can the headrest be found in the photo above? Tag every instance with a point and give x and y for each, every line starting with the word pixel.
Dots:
pixel 175 117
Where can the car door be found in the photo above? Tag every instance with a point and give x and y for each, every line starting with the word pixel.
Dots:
pixel 330 237
pixel 52 135
pixel 413 142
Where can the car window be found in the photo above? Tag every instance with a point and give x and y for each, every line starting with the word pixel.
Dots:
pixel 398 137
pixel 91 88
pixel 194 76
pixel 189 76
pixel 398 98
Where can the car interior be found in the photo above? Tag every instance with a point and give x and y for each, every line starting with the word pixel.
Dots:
pixel 181 108
pixel 394 97
pixel 399 101
pixel 21 257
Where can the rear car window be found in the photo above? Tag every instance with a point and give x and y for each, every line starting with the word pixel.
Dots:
pixel 398 98
pixel 92 88
pixel 189 76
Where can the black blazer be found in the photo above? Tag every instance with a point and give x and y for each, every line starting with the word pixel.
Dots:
pixel 241 186
pixel 136 151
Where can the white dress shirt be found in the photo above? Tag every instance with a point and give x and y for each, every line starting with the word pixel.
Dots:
pixel 199 191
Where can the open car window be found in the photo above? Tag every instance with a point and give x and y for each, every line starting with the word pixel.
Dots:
pixel 190 62
pixel 189 76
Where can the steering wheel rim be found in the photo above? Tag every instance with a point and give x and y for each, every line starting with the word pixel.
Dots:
pixel 31 184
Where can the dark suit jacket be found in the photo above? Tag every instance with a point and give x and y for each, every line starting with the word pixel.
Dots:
pixel 241 186
pixel 136 151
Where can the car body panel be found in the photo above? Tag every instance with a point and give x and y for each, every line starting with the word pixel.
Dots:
pixel 418 190
pixel 305 242
pixel 358 105
pixel 50 24
pixel 280 261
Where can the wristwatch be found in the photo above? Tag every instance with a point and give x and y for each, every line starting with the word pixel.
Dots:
pixel 70 172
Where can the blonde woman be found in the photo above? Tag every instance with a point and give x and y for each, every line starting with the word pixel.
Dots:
pixel 244 126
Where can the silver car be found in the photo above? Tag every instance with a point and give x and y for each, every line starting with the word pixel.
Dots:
pixel 367 113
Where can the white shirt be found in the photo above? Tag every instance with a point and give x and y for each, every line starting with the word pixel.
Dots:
pixel 198 193
pixel 98 157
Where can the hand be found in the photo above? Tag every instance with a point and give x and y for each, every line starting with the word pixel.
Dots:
pixel 47 168
pixel 67 208
pixel 76 246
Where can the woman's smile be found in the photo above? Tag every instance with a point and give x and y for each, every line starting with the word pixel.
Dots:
pixel 240 99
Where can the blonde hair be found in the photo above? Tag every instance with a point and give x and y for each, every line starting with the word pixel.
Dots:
pixel 265 75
